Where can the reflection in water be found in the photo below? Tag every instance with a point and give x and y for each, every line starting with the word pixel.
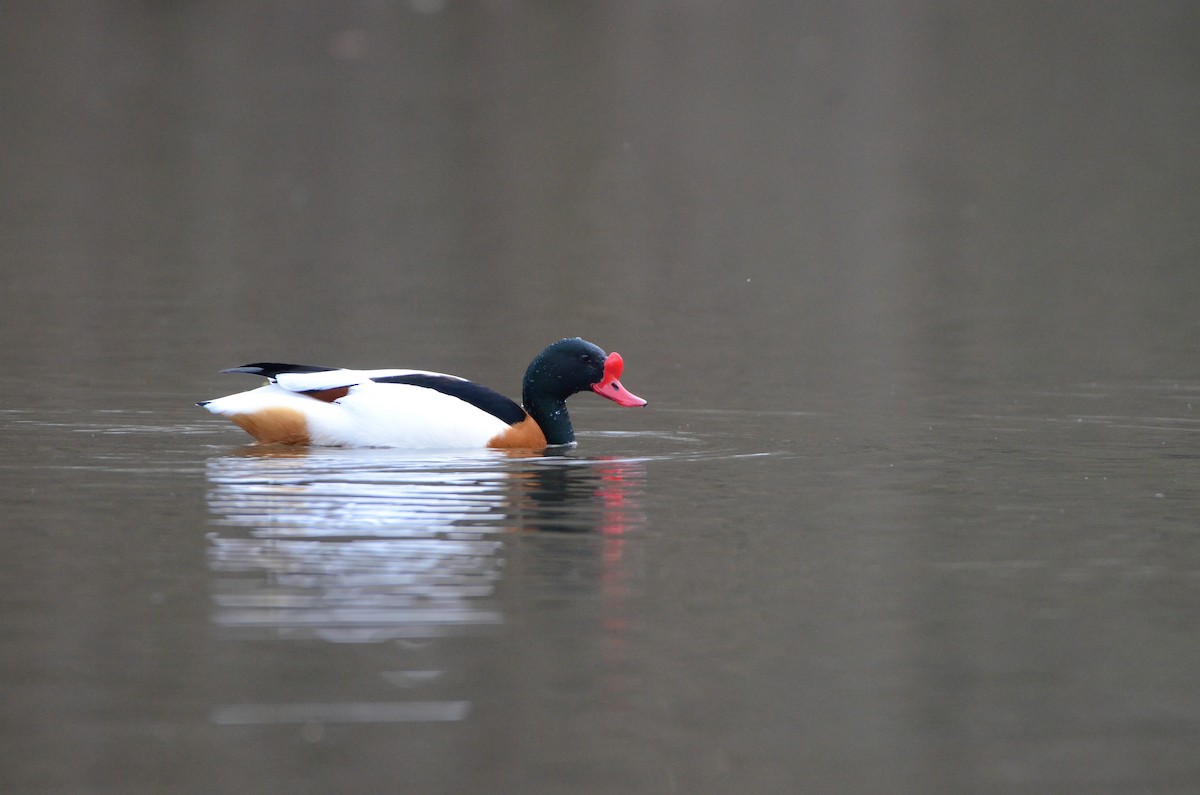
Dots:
pixel 364 546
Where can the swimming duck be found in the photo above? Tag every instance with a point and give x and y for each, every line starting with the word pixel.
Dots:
pixel 328 406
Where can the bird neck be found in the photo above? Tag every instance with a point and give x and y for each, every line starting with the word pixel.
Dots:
pixel 551 416
pixel 543 398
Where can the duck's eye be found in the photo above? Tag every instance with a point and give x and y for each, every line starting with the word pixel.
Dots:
pixel 586 358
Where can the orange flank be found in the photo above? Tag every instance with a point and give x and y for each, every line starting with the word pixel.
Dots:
pixel 274 426
pixel 524 435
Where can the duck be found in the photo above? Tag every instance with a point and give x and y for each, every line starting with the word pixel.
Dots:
pixel 338 407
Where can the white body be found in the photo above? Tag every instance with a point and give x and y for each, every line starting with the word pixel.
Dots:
pixel 371 414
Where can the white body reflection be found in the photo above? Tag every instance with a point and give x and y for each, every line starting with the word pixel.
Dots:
pixel 357 546
pixel 367 546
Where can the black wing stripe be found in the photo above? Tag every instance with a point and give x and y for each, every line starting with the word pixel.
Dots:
pixel 272 369
pixel 478 396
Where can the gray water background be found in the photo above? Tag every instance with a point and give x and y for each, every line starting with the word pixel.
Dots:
pixel 912 290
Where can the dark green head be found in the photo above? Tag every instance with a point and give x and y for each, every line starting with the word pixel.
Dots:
pixel 562 369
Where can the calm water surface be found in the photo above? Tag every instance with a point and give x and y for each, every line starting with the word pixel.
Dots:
pixel 912 293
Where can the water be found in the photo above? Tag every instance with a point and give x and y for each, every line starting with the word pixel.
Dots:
pixel 911 291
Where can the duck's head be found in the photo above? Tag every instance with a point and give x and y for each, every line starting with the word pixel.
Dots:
pixel 573 365
pixel 564 368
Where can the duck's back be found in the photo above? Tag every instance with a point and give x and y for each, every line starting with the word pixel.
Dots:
pixel 368 408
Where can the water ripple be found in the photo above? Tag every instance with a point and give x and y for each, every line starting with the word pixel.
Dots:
pixel 367 545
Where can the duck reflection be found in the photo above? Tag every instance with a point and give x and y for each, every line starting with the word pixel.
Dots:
pixel 354 546
pixel 577 496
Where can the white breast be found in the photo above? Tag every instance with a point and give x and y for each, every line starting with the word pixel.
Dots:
pixel 401 415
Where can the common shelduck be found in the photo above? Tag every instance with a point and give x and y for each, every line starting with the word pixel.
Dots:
pixel 327 406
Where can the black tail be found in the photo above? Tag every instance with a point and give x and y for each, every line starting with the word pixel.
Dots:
pixel 272 369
